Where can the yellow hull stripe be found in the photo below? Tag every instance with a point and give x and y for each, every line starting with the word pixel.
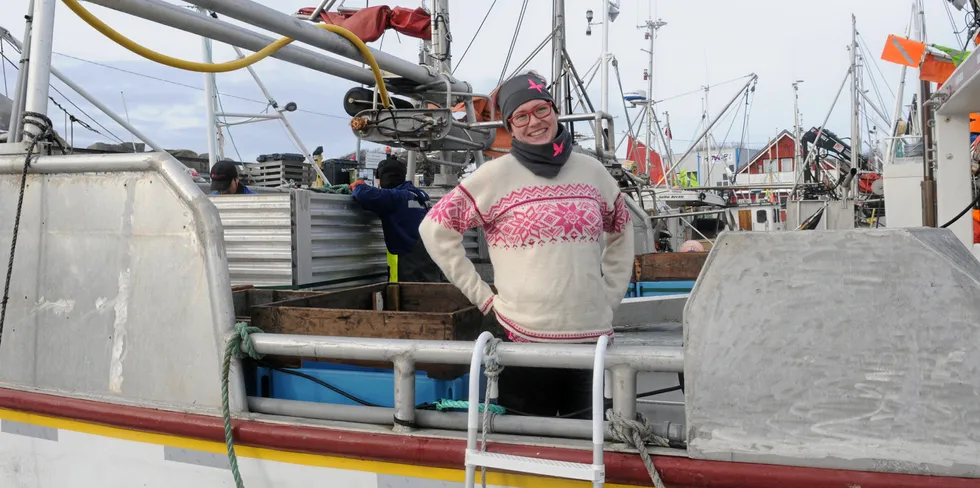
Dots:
pixel 395 469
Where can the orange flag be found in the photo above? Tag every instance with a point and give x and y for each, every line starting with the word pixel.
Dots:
pixel 900 50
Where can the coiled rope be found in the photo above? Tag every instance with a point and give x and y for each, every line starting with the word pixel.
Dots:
pixel 636 433
pixel 233 348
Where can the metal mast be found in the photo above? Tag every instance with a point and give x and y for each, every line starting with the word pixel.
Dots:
pixel 855 102
pixel 798 152
pixel 650 33
pixel 557 55
pixel 929 211
pixel 209 100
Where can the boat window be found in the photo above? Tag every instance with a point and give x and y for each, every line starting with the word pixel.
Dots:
pixel 761 216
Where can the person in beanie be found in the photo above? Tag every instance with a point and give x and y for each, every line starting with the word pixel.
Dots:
pixel 401 207
pixel 224 180
pixel 560 240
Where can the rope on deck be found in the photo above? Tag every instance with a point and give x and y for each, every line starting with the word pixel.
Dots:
pixel 234 349
pixel 463 405
pixel 637 433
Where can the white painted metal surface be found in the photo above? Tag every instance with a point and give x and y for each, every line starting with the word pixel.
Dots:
pixel 35 456
pixel 954 180
pixel 862 358
pixel 903 184
pixel 120 259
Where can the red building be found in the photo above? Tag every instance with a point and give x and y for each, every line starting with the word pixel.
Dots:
pixel 777 157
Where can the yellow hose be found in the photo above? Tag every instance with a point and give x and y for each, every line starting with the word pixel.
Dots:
pixel 251 59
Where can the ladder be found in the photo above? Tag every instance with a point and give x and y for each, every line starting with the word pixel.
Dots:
pixel 595 472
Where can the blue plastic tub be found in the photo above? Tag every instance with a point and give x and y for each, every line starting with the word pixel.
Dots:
pixel 374 385
pixel 658 288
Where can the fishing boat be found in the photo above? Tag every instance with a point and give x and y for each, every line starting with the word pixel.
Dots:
pixel 129 357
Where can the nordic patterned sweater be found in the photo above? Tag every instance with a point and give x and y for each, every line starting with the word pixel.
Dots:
pixel 556 281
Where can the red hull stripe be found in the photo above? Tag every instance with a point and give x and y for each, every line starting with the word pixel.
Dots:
pixel 448 453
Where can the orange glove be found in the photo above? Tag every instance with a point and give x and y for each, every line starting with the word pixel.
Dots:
pixel 355 183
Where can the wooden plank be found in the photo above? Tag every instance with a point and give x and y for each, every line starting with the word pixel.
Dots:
pixel 357 323
pixel 666 266
pixel 393 298
pixel 432 297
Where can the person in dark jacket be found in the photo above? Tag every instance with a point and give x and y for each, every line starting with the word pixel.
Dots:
pixel 224 180
pixel 401 207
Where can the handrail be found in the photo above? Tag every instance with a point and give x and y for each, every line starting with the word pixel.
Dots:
pixel 598 410
pixel 661 359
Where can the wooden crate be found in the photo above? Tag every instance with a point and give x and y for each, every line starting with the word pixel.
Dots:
pixel 245 297
pixel 421 311
pixel 668 266
pixel 429 311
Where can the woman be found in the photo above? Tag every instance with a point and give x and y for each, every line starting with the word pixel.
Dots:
pixel 545 211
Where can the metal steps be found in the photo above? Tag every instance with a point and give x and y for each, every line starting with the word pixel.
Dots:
pixel 595 472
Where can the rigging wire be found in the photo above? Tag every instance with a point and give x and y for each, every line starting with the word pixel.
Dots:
pixel 221 107
pixel 475 34
pixel 73 104
pixel 192 87
pixel 864 46
pixel 513 42
pixel 952 23
pixel 701 90
pixel 638 123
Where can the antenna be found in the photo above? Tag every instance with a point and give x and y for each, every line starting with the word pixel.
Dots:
pixel 126 109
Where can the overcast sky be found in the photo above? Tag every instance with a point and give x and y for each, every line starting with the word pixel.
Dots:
pixel 704 43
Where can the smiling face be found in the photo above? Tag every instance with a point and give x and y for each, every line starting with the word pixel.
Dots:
pixel 534 122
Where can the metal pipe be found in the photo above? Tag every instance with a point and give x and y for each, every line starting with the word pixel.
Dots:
pixel 598 405
pixel 688 214
pixel 476 359
pixel 567 356
pixel 404 373
pixel 428 419
pixel 707 129
pixel 899 98
pixel 246 116
pixel 174 16
pixel 14 127
pixel 286 25
pixel 604 106
pixel 39 69
pixel 325 6
pixel 210 100
pixel 411 165
pixel 493 124
pixel 460 140
pixel 624 391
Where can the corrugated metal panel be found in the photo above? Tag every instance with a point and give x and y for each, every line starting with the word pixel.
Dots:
pixel 258 238
pixel 336 239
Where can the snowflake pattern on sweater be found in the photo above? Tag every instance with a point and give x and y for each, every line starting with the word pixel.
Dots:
pixel 556 282
pixel 535 216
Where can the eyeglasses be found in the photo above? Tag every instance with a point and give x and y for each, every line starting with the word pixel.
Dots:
pixel 524 118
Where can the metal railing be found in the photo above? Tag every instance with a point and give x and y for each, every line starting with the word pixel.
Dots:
pixel 623 362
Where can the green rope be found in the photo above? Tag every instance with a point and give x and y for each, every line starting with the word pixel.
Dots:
pixel 234 348
pixel 462 404
pixel 336 189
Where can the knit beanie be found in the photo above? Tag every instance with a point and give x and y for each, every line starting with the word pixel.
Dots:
pixel 519 90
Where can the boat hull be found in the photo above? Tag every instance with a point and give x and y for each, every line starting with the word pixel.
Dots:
pixel 50 441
